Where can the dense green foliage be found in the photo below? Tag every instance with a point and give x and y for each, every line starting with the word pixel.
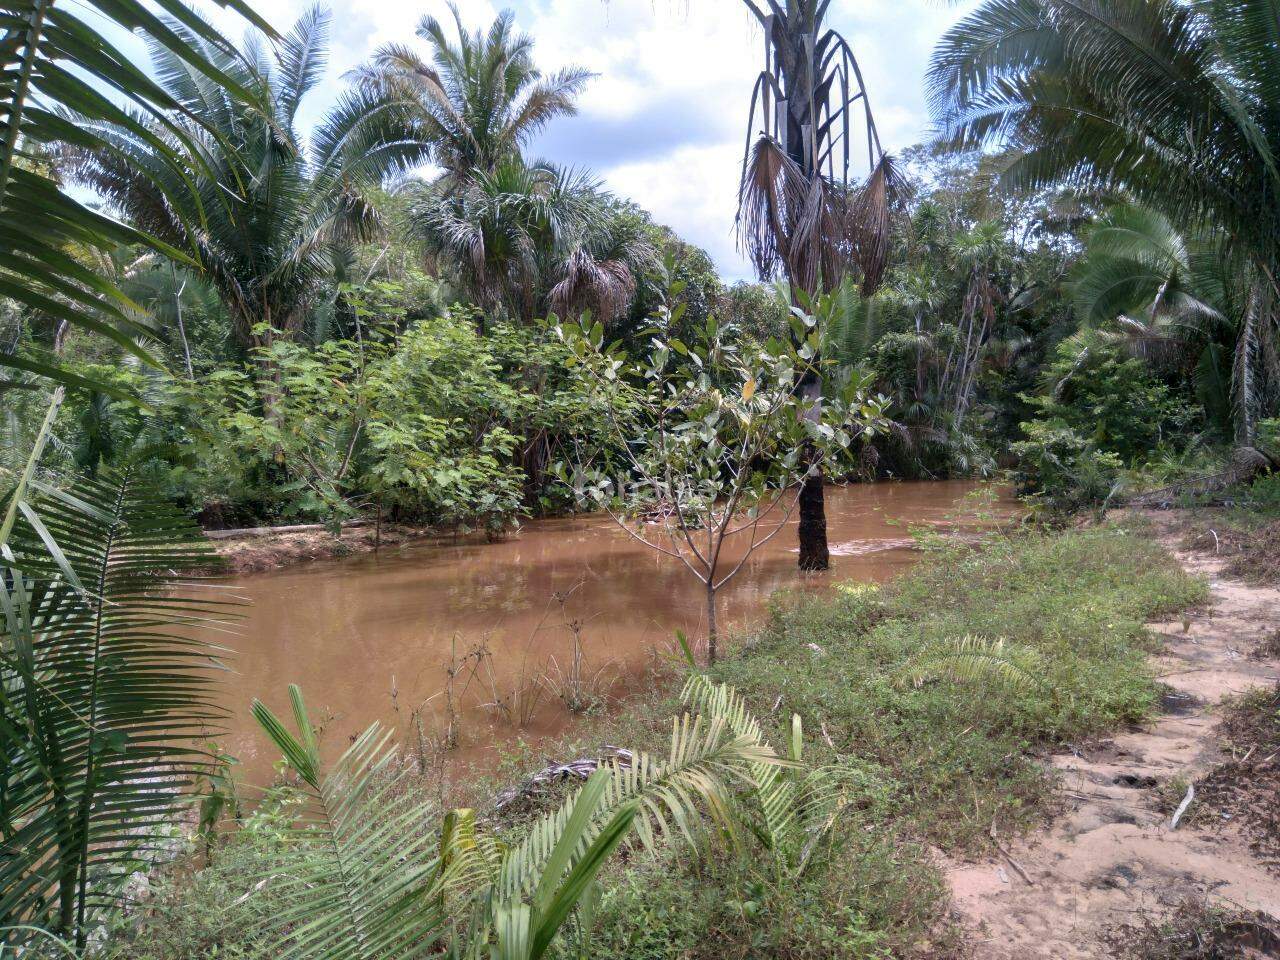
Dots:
pixel 1170 105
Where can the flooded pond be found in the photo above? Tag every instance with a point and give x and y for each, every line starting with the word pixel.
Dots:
pixel 373 637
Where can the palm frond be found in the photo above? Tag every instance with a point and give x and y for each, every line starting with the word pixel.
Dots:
pixel 371 877
pixel 109 694
pixel 366 878
pixel 56 66
pixel 972 659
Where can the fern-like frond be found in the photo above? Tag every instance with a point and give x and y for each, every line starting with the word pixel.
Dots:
pixel 369 877
pixel 706 760
pixel 108 693
pixel 364 879
pixel 970 659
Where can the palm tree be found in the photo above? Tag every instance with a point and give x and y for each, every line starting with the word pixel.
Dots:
pixel 270 207
pixel 979 252
pixel 1174 104
pixel 478 100
pixel 526 239
pixel 1175 300
pixel 798 213
pixel 55 60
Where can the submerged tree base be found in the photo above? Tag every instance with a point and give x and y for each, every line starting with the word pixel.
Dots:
pixel 812 533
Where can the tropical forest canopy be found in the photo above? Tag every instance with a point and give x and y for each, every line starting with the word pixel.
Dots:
pixel 352 331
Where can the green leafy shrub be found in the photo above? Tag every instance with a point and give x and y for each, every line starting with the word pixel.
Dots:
pixel 425 419
pixel 1065 470
pixel 872 896
pixel 1100 410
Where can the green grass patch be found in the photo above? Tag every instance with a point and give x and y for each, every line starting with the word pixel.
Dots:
pixel 943 762
pixel 957 756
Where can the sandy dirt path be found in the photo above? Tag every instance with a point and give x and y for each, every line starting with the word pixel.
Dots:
pixel 1111 858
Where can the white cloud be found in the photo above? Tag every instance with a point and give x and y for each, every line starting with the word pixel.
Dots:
pixel 692 189
pixel 663 123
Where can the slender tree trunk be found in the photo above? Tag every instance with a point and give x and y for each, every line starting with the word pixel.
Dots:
pixel 270 381
pixel 1242 373
pixel 919 355
pixel 712 632
pixel 182 330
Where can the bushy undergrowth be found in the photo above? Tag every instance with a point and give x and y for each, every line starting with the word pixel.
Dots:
pixel 874 896
pixel 935 759
pixel 1070 608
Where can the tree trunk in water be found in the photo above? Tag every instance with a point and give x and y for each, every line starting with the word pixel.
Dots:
pixel 814 554
pixel 812 532
pixel 711 624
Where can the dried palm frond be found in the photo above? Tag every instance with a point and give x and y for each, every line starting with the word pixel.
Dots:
pixel 799 214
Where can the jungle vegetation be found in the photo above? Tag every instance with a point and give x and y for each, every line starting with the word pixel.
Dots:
pixel 404 314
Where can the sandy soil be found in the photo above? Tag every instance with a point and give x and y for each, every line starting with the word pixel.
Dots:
pixel 1112 857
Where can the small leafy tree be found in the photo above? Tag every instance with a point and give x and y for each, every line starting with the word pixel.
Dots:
pixel 713 441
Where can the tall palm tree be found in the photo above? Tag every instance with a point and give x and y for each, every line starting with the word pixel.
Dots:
pixel 799 215
pixel 527 239
pixel 270 206
pixel 1174 104
pixel 478 99
pixel 56 58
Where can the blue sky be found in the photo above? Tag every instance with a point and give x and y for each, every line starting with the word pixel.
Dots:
pixel 663 123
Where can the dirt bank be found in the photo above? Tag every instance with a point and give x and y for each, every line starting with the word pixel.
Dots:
pixel 1113 857
pixel 258 552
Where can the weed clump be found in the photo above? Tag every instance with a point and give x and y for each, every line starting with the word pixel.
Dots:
pixel 957 746
pixel 1197 930
pixel 1246 788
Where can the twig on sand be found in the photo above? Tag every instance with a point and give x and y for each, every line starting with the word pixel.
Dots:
pixel 1008 856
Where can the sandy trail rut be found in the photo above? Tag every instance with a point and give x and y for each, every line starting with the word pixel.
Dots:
pixel 1111 858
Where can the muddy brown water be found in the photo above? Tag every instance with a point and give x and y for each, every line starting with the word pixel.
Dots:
pixel 372 637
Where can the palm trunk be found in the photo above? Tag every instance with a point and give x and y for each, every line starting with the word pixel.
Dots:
pixel 1242 373
pixel 269 380
pixel 814 554
pixel 812 533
